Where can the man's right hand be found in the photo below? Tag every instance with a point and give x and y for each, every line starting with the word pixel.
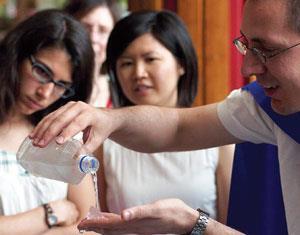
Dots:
pixel 69 120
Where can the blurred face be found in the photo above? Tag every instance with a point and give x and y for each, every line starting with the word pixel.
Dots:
pixel 99 22
pixel 148 72
pixel 265 27
pixel 34 95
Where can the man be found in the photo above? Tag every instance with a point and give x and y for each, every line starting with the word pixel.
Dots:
pixel 270 42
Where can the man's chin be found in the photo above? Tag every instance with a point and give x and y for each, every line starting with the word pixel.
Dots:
pixel 282 109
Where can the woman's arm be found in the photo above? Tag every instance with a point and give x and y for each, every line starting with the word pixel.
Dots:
pixel 33 221
pixel 83 196
pixel 101 180
pixel 223 175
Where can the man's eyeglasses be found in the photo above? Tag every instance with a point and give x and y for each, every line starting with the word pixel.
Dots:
pixel 242 47
pixel 43 75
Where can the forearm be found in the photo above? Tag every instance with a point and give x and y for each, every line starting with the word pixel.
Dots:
pixel 31 222
pixel 70 230
pixel 145 128
pixel 82 195
pixel 216 228
pixel 141 128
pixel 61 230
pixel 155 129
pixel 213 227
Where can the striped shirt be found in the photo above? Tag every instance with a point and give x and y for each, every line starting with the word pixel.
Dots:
pixel 21 191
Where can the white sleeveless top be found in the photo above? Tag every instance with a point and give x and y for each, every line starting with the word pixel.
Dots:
pixel 135 178
pixel 20 191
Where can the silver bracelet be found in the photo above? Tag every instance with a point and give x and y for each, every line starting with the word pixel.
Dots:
pixel 201 223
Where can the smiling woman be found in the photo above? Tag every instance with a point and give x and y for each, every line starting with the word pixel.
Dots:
pixel 46 61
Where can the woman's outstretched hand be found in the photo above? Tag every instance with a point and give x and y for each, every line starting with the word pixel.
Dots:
pixel 163 216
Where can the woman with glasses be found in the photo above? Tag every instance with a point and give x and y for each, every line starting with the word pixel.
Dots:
pixel 46 61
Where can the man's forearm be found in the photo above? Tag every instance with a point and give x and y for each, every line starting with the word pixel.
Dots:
pixel 156 129
pixel 216 228
pixel 145 128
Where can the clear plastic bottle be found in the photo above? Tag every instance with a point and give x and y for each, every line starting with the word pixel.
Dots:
pixel 67 162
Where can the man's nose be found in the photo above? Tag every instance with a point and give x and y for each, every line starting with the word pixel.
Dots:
pixel 252 65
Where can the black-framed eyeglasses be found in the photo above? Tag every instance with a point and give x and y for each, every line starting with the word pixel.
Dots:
pixel 43 75
pixel 242 47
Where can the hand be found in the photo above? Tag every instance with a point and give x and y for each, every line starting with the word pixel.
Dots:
pixel 70 119
pixel 66 212
pixel 163 216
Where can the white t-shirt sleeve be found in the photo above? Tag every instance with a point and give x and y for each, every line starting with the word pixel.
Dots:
pixel 243 118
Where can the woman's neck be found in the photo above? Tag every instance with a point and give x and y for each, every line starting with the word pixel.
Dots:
pixel 13 131
pixel 16 117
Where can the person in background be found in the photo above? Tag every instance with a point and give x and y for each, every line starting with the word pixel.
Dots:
pixel 147 68
pixel 98 17
pixel 45 61
pixel 266 111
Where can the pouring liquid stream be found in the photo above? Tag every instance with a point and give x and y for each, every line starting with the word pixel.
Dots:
pixel 96 209
pixel 94 177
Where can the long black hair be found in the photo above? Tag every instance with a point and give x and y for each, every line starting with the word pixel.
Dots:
pixel 45 29
pixel 169 30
